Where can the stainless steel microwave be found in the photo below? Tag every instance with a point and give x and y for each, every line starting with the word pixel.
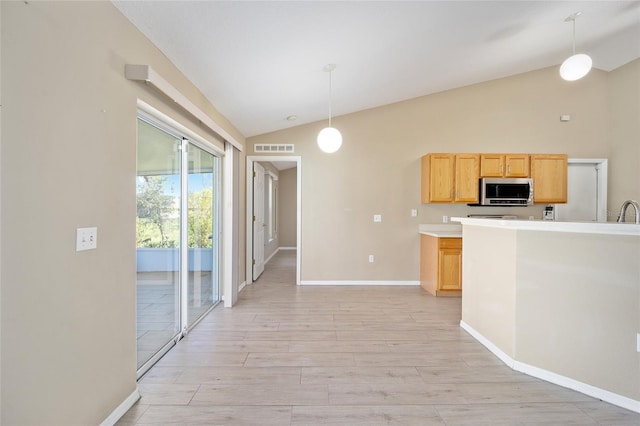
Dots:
pixel 506 192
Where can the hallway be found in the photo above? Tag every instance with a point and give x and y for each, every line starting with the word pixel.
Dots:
pixel 348 355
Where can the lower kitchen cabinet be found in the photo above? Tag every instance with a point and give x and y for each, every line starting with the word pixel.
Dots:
pixel 441 265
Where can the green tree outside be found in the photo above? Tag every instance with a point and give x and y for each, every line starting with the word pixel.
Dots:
pixel 200 221
pixel 158 221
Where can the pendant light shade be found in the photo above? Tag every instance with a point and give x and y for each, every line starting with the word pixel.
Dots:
pixel 578 65
pixel 575 67
pixel 329 138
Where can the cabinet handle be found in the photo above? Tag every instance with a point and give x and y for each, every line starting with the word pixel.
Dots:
pixel 501 169
pixel 509 169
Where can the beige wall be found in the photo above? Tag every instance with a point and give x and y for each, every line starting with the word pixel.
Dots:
pixel 624 137
pixel 287 220
pixel 377 170
pixel 490 309
pixel 577 310
pixel 68 161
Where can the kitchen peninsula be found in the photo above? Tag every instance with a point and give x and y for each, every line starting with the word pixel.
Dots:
pixel 557 300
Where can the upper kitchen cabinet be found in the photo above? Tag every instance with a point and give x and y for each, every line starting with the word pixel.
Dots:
pixel 504 165
pixel 467 174
pixel 438 177
pixel 450 178
pixel 549 173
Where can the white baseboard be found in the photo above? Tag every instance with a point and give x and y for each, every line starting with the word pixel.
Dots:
pixel 551 377
pixel 271 257
pixel 122 409
pixel 276 252
pixel 241 286
pixel 510 362
pixel 346 282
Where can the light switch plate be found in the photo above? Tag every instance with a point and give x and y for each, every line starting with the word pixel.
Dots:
pixel 414 212
pixel 86 238
pixel 377 218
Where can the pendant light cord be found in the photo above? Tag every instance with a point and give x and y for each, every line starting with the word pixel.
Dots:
pixel 330 99
pixel 574 35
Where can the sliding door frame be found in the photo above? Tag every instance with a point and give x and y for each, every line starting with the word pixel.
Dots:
pixel 156 118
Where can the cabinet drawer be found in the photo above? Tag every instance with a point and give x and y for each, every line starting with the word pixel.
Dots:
pixel 453 243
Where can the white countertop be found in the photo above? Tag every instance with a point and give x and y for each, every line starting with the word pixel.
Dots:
pixel 441 230
pixel 609 228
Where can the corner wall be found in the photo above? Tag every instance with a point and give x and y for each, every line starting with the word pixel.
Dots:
pixel 68 160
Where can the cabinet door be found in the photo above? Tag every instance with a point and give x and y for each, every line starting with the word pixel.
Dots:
pixel 450 264
pixel 467 175
pixel 516 165
pixel 438 174
pixel 491 165
pixel 549 173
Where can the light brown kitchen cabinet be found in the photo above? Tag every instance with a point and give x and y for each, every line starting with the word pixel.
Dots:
pixel 438 177
pixel 504 165
pixel 549 174
pixel 467 174
pixel 441 265
pixel 450 178
pixel 491 165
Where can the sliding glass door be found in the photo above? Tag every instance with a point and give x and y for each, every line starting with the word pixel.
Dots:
pixel 203 232
pixel 177 233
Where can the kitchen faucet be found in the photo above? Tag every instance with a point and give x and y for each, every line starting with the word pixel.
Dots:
pixel 623 210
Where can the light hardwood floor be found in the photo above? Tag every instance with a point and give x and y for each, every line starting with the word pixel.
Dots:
pixel 351 355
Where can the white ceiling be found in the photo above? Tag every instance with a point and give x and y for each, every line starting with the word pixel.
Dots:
pixel 259 62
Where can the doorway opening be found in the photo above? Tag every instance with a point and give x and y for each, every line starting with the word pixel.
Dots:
pixel 262 227
pixel 586 191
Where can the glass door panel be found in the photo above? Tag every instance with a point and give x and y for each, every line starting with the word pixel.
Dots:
pixel 158 241
pixel 202 224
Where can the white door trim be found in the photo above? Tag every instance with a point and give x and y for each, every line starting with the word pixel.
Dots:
pixel 258 225
pixel 228 243
pixel 249 208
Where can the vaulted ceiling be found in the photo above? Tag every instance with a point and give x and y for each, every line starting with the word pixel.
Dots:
pixel 261 62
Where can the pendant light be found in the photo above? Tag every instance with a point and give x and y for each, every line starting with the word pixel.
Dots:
pixel 578 65
pixel 329 138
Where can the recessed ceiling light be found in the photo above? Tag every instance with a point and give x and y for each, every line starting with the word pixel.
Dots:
pixel 292 118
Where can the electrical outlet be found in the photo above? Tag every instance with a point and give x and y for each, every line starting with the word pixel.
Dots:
pixel 370 258
pixel 445 219
pixel 86 238
pixel 414 212
pixel 638 342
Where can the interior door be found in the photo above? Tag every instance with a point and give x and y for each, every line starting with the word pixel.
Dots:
pixel 258 220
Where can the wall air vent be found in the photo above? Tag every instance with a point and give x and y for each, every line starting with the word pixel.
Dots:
pixel 273 147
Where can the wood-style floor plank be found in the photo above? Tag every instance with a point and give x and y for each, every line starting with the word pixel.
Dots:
pixel 347 355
